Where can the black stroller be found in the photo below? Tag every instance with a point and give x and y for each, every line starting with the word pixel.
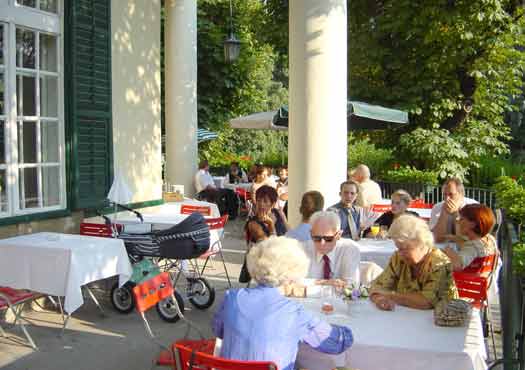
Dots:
pixel 165 250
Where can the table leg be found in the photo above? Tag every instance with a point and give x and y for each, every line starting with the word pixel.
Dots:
pixel 95 300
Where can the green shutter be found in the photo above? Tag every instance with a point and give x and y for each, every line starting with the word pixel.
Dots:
pixel 88 69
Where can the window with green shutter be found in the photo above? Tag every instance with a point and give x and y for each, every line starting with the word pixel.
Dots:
pixel 88 71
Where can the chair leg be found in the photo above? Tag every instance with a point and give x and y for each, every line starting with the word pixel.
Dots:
pixel 225 269
pixel 18 318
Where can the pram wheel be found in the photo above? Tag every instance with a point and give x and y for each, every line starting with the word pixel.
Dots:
pixel 122 298
pixel 167 310
pixel 200 293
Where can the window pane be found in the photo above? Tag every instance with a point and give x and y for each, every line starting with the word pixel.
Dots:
pixel 2 142
pixel 28 188
pixel 26 95
pixel 49 96
pixel 1 44
pixel 25 48
pixel 48 5
pixel 27 142
pixel 48 52
pixel 51 186
pixel 30 3
pixel 3 192
pixel 50 139
pixel 2 89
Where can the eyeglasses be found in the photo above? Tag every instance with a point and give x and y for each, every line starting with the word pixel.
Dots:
pixel 326 238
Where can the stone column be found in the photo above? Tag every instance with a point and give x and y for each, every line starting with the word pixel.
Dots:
pixel 317 152
pixel 180 52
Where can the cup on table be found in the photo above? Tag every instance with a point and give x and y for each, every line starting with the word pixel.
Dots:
pixel 374 230
pixel 383 232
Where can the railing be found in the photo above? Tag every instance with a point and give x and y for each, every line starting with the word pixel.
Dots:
pixel 511 302
pixel 432 194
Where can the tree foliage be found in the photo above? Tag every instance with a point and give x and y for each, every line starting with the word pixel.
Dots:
pixel 225 91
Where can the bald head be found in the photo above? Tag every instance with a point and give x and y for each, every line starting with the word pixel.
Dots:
pixel 362 173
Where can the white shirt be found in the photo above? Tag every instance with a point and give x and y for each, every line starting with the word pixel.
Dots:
pixel 203 179
pixel 436 211
pixel 369 193
pixel 301 232
pixel 344 261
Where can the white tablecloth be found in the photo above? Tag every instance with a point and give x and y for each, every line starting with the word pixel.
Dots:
pixel 378 251
pixel 219 181
pixel 59 264
pixel 244 185
pixel 402 339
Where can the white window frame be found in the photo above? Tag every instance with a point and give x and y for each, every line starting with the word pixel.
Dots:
pixel 13 16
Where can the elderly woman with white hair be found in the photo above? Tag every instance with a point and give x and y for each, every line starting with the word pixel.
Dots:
pixel 418 275
pixel 260 324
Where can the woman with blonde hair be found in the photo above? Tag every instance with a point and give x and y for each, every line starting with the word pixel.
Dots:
pixel 418 274
pixel 400 200
pixel 260 324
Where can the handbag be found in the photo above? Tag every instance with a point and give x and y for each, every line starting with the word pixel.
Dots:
pixel 455 312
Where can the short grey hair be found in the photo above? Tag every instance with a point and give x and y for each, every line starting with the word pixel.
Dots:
pixel 363 170
pixel 277 260
pixel 331 216
pixel 403 195
pixel 409 227
pixel 456 181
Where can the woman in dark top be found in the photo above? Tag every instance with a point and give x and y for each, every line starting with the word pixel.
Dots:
pixel 400 201
pixel 267 221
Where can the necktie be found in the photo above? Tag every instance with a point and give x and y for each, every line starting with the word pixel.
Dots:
pixel 327 272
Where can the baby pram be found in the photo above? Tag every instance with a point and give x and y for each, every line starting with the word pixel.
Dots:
pixel 156 250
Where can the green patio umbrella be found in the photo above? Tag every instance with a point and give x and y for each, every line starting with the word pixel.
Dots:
pixel 361 116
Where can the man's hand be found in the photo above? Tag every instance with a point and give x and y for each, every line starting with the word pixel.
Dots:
pixel 451 206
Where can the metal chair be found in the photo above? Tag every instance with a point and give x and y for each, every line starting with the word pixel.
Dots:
pixel 147 295
pixel 196 355
pixel 187 209
pixel 216 248
pixel 14 300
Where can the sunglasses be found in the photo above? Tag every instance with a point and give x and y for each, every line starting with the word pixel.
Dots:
pixel 326 238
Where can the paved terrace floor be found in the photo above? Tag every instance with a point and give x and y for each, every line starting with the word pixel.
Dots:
pixel 115 341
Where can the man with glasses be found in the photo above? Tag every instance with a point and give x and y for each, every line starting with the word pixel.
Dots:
pixel 444 214
pixel 331 258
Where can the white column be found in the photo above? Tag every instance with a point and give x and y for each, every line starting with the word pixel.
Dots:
pixel 317 152
pixel 180 48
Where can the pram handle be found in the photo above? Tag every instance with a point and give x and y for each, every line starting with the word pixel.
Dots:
pixel 107 221
pixel 137 213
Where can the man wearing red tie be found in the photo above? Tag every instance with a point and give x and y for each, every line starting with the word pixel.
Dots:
pixel 331 258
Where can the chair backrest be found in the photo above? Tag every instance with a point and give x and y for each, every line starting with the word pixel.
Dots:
pixel 368 272
pixel 471 286
pixel 100 230
pixel 148 293
pixel 217 223
pixel 420 203
pixel 481 265
pixel 381 207
pixel 186 354
pixel 187 209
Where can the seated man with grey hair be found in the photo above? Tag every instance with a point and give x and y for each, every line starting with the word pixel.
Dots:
pixel 445 214
pixel 260 324
pixel 331 258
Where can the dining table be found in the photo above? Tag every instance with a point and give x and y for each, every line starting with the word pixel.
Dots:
pixel 60 265
pixel 402 339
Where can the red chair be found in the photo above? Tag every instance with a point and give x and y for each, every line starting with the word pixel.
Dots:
pixel 216 248
pixel 196 355
pixel 245 198
pixel 420 203
pixel 187 209
pixel 14 300
pixel 473 288
pixel 482 265
pixel 100 230
pixel 148 294
pixel 381 208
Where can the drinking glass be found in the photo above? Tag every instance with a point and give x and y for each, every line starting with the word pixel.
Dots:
pixel 374 230
pixel 383 232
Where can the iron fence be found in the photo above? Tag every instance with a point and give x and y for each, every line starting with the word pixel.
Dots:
pixel 432 194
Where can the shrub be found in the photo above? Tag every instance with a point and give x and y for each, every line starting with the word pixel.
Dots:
pixel 365 152
pixel 409 175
